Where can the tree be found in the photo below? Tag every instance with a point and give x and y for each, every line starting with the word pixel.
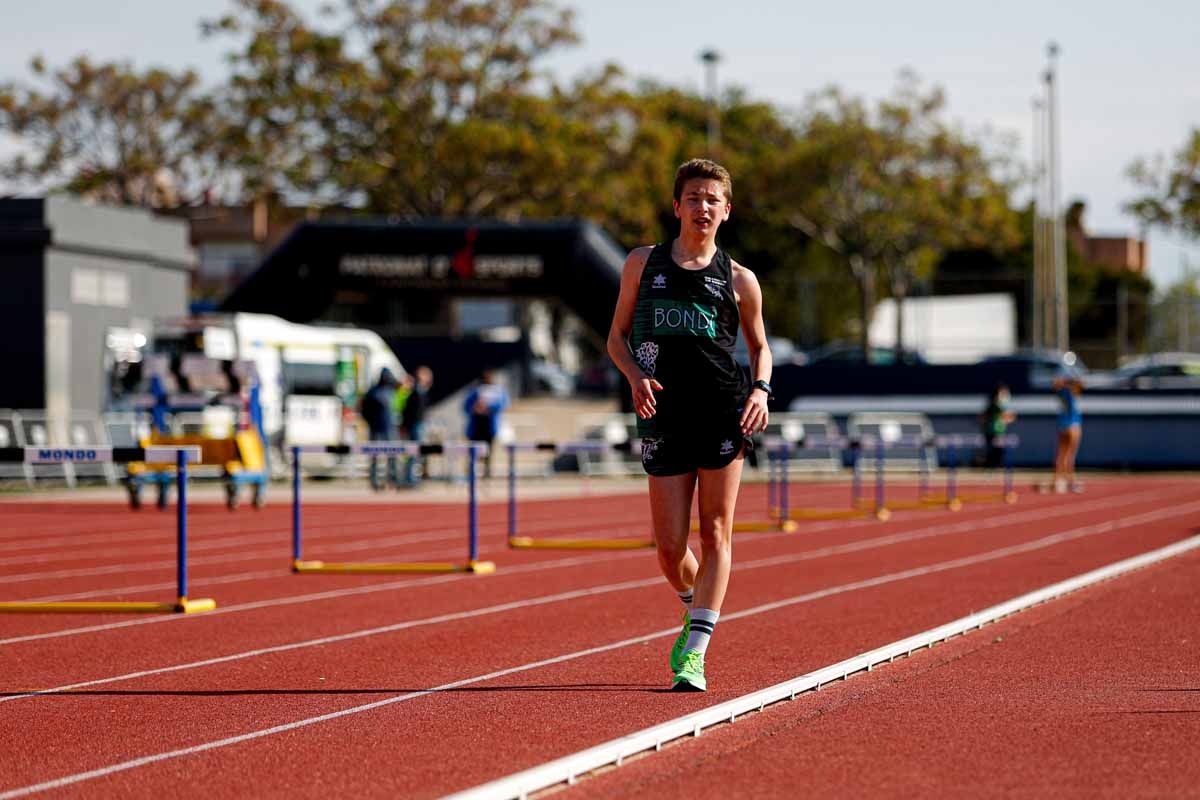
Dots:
pixel 419 108
pixel 892 190
pixel 110 132
pixel 1175 315
pixel 1172 198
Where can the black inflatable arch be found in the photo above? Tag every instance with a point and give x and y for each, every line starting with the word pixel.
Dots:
pixel 571 260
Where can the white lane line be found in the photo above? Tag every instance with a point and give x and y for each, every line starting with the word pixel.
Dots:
pixel 568 769
pixel 322 534
pixel 496 530
pixel 575 594
pixel 965 526
pixel 281 539
pixel 69 780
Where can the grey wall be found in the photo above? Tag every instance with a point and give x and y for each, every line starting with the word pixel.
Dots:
pixel 102 268
pixel 23 238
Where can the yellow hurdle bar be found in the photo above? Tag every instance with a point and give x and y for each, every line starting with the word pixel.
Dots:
pixel 817 514
pixel 1006 497
pixel 370 568
pixel 183 606
pixel 528 543
pixel 765 526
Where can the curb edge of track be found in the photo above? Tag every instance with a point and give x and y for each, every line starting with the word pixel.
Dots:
pixel 568 769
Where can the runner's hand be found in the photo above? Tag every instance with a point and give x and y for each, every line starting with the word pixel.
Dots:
pixel 643 396
pixel 754 413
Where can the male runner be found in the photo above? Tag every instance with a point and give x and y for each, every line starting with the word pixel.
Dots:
pixel 672 335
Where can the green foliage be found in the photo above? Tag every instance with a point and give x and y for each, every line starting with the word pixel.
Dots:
pixel 110 132
pixel 442 108
pixel 892 189
pixel 1172 189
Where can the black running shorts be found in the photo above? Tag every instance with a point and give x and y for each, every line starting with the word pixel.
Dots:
pixel 678 454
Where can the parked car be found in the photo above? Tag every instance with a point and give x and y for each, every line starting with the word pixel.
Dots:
pixel 1159 371
pixel 782 351
pixel 848 353
pixel 1044 366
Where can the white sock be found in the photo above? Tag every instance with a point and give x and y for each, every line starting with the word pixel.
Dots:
pixel 686 598
pixel 701 629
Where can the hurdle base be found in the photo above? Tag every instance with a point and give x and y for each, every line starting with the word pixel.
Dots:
pixel 384 568
pixel 817 514
pixel 1008 498
pixel 182 606
pixel 763 526
pixel 529 543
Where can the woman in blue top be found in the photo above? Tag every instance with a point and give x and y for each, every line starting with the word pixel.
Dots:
pixel 1070 430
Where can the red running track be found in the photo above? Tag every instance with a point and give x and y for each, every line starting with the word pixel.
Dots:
pixel 317 685
pixel 1096 694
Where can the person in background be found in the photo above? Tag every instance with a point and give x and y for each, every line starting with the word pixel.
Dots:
pixel 377 411
pixel 412 419
pixel 994 421
pixel 1070 432
pixel 482 406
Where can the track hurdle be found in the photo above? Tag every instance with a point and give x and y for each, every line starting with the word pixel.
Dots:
pixel 558 543
pixel 472 565
pixel 181 457
pixel 954 444
pixel 779 500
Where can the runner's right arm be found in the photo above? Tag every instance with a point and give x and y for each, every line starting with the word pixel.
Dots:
pixel 642 385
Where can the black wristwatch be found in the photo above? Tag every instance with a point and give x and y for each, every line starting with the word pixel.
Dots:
pixel 766 387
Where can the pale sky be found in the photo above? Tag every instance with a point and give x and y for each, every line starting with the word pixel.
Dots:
pixel 1127 72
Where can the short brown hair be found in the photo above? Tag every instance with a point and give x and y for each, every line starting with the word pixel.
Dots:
pixel 708 170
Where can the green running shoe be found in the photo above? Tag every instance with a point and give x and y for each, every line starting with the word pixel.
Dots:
pixel 680 643
pixel 690 675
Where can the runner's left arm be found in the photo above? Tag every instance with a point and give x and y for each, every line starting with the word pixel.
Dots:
pixel 749 300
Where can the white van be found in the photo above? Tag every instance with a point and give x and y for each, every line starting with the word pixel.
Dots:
pixel 310 376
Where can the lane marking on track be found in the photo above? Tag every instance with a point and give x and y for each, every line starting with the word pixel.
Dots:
pixel 964 526
pixel 559 597
pixel 880 580
pixel 568 769
pixel 376 544
pixel 315 532
pixel 451 532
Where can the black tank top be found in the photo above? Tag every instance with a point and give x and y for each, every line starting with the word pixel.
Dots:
pixel 685 326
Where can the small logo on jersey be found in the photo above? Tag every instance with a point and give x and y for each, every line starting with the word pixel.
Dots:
pixel 713 290
pixel 647 357
pixel 726 447
pixel 659 282
pixel 649 446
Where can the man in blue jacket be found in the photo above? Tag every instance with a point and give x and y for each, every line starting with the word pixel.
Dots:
pixel 482 406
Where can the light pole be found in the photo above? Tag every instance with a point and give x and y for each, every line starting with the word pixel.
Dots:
pixel 1037 295
pixel 710 58
pixel 1061 332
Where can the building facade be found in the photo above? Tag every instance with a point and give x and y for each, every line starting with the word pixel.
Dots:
pixel 83 283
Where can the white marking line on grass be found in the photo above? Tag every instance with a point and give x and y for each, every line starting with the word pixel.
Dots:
pixel 822 676
pixel 576 594
pixel 569 768
pixel 965 526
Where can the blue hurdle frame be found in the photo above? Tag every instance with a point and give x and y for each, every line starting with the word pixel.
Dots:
pixel 472 565
pixel 182 455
